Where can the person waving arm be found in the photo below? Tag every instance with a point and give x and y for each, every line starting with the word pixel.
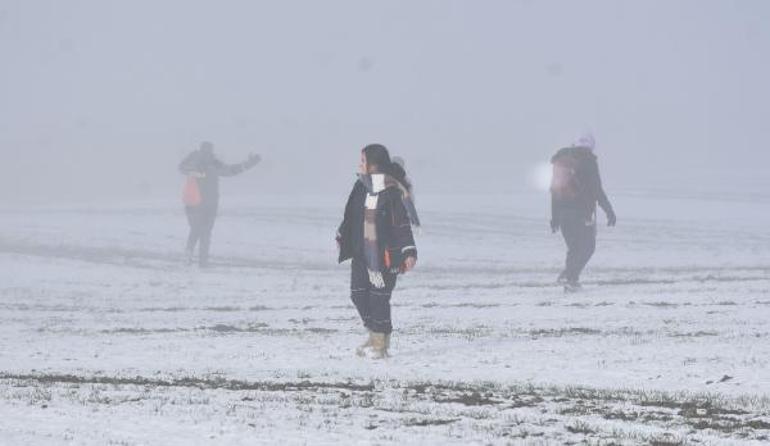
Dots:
pixel 229 170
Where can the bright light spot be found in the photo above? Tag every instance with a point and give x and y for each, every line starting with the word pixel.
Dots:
pixel 540 177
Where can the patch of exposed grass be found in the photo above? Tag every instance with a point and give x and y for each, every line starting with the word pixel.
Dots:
pixel 424 422
pixel 580 427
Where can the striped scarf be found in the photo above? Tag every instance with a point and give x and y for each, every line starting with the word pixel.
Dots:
pixel 374 184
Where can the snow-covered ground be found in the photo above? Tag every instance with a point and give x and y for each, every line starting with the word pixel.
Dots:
pixel 106 337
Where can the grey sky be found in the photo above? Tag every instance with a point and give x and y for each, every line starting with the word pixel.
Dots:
pixel 104 97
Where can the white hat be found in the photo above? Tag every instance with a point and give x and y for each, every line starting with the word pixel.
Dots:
pixel 586 140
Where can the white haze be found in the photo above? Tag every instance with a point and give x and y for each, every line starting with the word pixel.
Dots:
pixel 99 100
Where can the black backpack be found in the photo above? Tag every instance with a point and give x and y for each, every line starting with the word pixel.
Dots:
pixel 565 182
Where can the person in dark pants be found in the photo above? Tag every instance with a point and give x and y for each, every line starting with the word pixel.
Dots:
pixel 205 169
pixel 376 233
pixel 576 189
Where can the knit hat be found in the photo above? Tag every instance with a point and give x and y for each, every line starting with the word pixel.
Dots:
pixel 586 140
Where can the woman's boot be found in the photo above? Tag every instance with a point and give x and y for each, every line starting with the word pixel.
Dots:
pixel 378 349
pixel 361 350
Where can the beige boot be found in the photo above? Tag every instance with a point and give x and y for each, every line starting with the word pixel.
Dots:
pixel 378 349
pixel 361 350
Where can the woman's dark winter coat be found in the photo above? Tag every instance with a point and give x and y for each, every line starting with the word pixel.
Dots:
pixel 394 231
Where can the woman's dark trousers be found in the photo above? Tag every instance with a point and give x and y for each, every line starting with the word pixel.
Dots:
pixel 373 304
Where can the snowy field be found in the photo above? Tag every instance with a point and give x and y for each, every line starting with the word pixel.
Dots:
pixel 107 338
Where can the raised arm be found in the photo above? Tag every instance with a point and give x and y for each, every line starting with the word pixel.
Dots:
pixel 229 170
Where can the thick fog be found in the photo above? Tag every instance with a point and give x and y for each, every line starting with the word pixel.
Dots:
pixel 100 100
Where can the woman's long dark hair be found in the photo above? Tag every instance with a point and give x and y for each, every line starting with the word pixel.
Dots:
pixel 377 154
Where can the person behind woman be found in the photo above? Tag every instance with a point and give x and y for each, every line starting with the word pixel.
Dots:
pixel 376 233
pixel 576 189
pixel 204 169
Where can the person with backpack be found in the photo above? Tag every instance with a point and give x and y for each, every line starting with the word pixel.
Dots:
pixel 376 233
pixel 201 195
pixel 576 188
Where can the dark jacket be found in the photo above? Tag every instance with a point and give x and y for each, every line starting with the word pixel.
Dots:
pixel 586 184
pixel 212 168
pixel 394 231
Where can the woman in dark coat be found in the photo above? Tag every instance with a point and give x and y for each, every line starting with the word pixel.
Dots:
pixel 376 233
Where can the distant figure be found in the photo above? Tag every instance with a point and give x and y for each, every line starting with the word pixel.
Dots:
pixel 376 232
pixel 576 188
pixel 201 196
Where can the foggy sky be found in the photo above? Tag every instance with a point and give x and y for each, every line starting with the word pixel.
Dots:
pixel 102 98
